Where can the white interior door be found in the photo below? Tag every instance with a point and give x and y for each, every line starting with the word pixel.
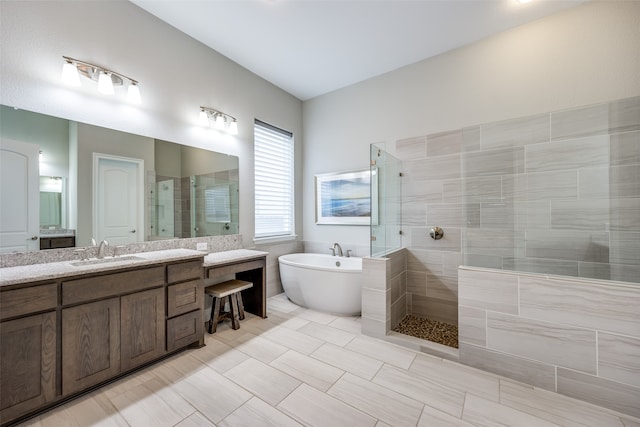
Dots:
pixel 19 196
pixel 118 199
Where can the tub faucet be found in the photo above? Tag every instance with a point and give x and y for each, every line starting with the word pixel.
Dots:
pixel 102 248
pixel 337 247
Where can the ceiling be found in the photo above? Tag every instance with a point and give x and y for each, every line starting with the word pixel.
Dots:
pixel 312 47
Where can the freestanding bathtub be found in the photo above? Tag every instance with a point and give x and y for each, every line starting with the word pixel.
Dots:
pixel 323 282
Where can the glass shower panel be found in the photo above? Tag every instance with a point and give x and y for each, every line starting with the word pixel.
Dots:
pixel 386 212
pixel 164 220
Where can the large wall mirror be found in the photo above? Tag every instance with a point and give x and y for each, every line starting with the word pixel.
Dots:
pixel 184 191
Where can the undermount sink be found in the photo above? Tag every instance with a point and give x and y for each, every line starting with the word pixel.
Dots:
pixel 107 260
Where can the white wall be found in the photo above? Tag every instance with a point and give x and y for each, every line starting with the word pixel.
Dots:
pixel 582 56
pixel 177 75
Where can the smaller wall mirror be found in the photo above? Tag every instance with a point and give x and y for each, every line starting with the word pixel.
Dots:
pixel 53 202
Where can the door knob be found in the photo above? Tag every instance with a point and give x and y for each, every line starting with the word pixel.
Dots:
pixel 132 231
pixel 33 238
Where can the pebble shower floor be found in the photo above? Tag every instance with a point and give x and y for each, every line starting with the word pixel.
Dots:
pixel 439 332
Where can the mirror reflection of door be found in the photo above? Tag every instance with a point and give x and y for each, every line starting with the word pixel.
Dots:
pixel 118 199
pixel 19 196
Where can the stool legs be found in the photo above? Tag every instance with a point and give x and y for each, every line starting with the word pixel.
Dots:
pixel 233 306
pixel 240 306
pixel 215 315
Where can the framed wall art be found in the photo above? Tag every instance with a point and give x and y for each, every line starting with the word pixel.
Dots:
pixel 344 198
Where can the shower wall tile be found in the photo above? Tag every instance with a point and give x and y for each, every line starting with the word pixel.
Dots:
pixel 515 132
pixel 625 273
pixel 618 358
pixel 624 115
pixel 452 260
pixel 488 290
pixel 594 270
pixel 594 183
pixel 568 245
pixel 472 325
pixel 422 260
pixel 545 342
pixel 625 214
pixel 493 241
pixel 625 248
pixel 442 287
pixel 595 305
pixel 625 148
pixel 625 181
pixel 438 168
pixel 611 394
pixel 376 304
pixel 498 215
pixel 452 191
pixel 482 189
pixel 536 214
pixel 561 155
pixel 398 287
pixel 435 309
pixel 425 191
pixel 444 143
pixel 420 239
pixel 412 148
pixel 471 138
pixel 517 368
pixel 493 162
pixel 581 214
pixel 417 282
pixel 480 260
pixel 551 185
pixel 398 311
pixel 453 215
pixel 374 273
pixel 414 212
pixel 589 120
pixel 539 265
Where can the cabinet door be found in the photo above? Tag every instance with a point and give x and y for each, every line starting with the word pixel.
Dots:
pixel 90 344
pixel 143 327
pixel 27 364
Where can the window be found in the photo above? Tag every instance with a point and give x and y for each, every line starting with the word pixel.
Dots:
pixel 273 163
pixel 217 203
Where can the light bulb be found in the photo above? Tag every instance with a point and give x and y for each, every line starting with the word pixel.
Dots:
pixel 105 84
pixel 133 94
pixel 220 122
pixel 233 127
pixel 70 74
pixel 203 119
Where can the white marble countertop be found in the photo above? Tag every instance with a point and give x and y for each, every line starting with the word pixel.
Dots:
pixel 225 257
pixel 55 270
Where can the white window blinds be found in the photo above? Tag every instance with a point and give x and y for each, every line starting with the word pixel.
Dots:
pixel 274 205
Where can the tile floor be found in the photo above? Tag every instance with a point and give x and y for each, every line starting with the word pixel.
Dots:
pixel 302 367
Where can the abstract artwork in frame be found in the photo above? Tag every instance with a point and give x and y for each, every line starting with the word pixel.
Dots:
pixel 344 198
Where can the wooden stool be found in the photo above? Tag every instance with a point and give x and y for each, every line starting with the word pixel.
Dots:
pixel 222 291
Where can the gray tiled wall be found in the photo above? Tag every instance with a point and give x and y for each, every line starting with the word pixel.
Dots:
pixel 576 336
pixel 555 193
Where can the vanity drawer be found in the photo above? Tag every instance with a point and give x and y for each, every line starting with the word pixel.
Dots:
pixel 97 287
pixel 23 301
pixel 184 330
pixel 184 297
pixel 184 271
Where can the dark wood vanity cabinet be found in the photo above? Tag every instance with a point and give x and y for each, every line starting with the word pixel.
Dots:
pixel 59 339
pixel 57 242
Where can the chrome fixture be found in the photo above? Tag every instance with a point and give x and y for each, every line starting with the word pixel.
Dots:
pixel 221 121
pixel 107 79
pixel 102 249
pixel 349 253
pixel 337 247
pixel 436 233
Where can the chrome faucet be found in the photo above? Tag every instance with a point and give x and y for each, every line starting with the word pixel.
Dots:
pixel 102 249
pixel 337 247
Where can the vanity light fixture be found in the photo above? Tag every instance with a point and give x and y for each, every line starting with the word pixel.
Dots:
pixel 107 79
pixel 221 121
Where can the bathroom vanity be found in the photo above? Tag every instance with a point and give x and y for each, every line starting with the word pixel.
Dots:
pixel 69 326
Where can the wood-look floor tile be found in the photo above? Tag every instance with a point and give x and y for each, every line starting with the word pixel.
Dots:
pixel 219 356
pixel 347 360
pixel 314 408
pixel 385 352
pixel 483 412
pixel 256 413
pixel 313 372
pixel 457 376
pixel 195 420
pixel 316 316
pixel 431 417
pixel 418 387
pixel 263 381
pixel 327 333
pixel 155 404
pixel 214 395
pixel 265 350
pixel 554 407
pixel 377 401
pixel 294 340
pixel 347 324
